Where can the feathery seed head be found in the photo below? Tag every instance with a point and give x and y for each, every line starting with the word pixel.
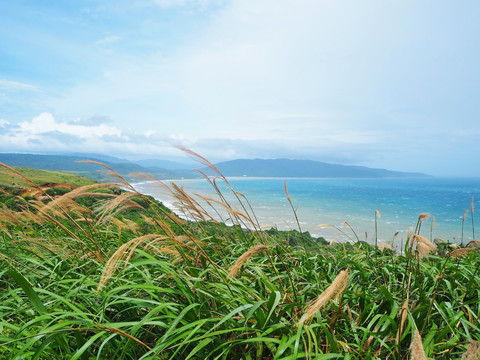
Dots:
pixel 244 257
pixel 417 347
pixel 384 245
pixel 424 246
pixel 473 351
pixel 423 216
pixel 458 253
pixel 334 290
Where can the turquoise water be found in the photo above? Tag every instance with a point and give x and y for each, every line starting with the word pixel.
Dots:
pixel 334 201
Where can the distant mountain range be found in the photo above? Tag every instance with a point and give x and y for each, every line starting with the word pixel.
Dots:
pixel 71 164
pixel 165 169
pixel 304 169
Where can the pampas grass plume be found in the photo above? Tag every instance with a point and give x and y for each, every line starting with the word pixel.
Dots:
pixel 244 257
pixel 473 351
pixel 417 347
pixel 384 245
pixel 335 289
pixel 424 246
pixel 403 318
pixel 458 253
pixel 123 253
pixel 423 216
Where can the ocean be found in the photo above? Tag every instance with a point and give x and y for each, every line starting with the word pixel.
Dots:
pixel 399 201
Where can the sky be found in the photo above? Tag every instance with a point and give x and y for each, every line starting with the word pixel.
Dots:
pixel 386 84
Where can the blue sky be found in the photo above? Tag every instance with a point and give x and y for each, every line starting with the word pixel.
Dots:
pixel 390 84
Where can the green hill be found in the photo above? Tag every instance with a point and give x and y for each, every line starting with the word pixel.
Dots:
pixel 71 164
pixel 40 177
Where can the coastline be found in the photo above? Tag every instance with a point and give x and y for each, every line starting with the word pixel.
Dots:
pixel 334 201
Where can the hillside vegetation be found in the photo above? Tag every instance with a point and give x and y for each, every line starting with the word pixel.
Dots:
pixel 77 165
pixel 101 273
pixel 40 177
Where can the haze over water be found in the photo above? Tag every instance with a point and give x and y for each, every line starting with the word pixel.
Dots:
pixel 333 201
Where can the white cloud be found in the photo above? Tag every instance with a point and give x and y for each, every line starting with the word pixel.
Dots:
pixel 150 133
pixel 16 85
pixel 108 40
pixel 45 134
pixel 45 122
pixel 3 123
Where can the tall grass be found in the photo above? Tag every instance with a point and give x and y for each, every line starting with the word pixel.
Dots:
pixel 99 273
pixel 472 209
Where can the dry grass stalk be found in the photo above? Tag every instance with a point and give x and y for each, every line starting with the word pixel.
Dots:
pixel 384 245
pixel 235 212
pixel 473 351
pixel 403 318
pixel 62 206
pixel 23 177
pixel 30 217
pixel 119 224
pixel 424 246
pixel 132 225
pixel 189 206
pixel 11 261
pixel 244 257
pixel 474 243
pixel 85 190
pixel 347 225
pixel 334 290
pixel 201 160
pixel 286 191
pixel 378 213
pixel 177 243
pixel 432 227
pixel 111 172
pixel 472 208
pixel 465 215
pixel 93 255
pixel 168 251
pixel 8 216
pixel 417 347
pixel 423 216
pixel 53 245
pixel 164 187
pixel 120 203
pixel 123 253
pixel 295 214
pixel 147 219
pixel 458 253
pixel 159 246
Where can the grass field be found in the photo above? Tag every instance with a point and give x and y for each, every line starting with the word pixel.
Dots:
pixel 40 177
pixel 98 273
